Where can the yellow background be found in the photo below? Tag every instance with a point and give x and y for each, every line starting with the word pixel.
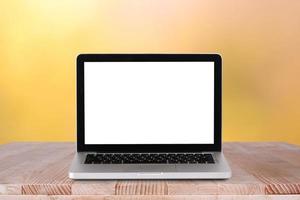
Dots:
pixel 258 39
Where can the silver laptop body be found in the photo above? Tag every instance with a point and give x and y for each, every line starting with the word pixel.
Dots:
pixel 149 116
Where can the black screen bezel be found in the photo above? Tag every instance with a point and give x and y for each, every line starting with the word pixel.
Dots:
pixel 216 146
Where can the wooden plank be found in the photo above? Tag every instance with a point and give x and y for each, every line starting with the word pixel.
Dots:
pixel 105 187
pixel 42 169
pixel 141 188
pixel 151 197
pixel 264 161
pixel 35 168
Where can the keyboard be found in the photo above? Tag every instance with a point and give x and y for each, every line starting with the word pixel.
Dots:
pixel 149 158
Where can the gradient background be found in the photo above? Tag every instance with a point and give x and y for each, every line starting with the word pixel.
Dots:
pixel 258 39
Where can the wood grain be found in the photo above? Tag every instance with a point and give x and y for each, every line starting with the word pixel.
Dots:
pixel 259 169
pixel 151 197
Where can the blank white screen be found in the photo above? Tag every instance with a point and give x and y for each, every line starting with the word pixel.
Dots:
pixel 149 102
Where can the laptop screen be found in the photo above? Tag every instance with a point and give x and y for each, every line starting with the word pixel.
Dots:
pixel 149 102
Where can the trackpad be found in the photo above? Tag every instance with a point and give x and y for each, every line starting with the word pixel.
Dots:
pixel 157 168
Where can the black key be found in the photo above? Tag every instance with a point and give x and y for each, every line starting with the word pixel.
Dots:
pixel 208 158
pixel 89 159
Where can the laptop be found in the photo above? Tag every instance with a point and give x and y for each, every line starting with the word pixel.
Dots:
pixel 149 116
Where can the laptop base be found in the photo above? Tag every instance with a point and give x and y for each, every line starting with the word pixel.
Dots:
pixel 218 170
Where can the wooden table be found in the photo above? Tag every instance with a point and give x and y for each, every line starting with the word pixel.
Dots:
pixel 40 171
